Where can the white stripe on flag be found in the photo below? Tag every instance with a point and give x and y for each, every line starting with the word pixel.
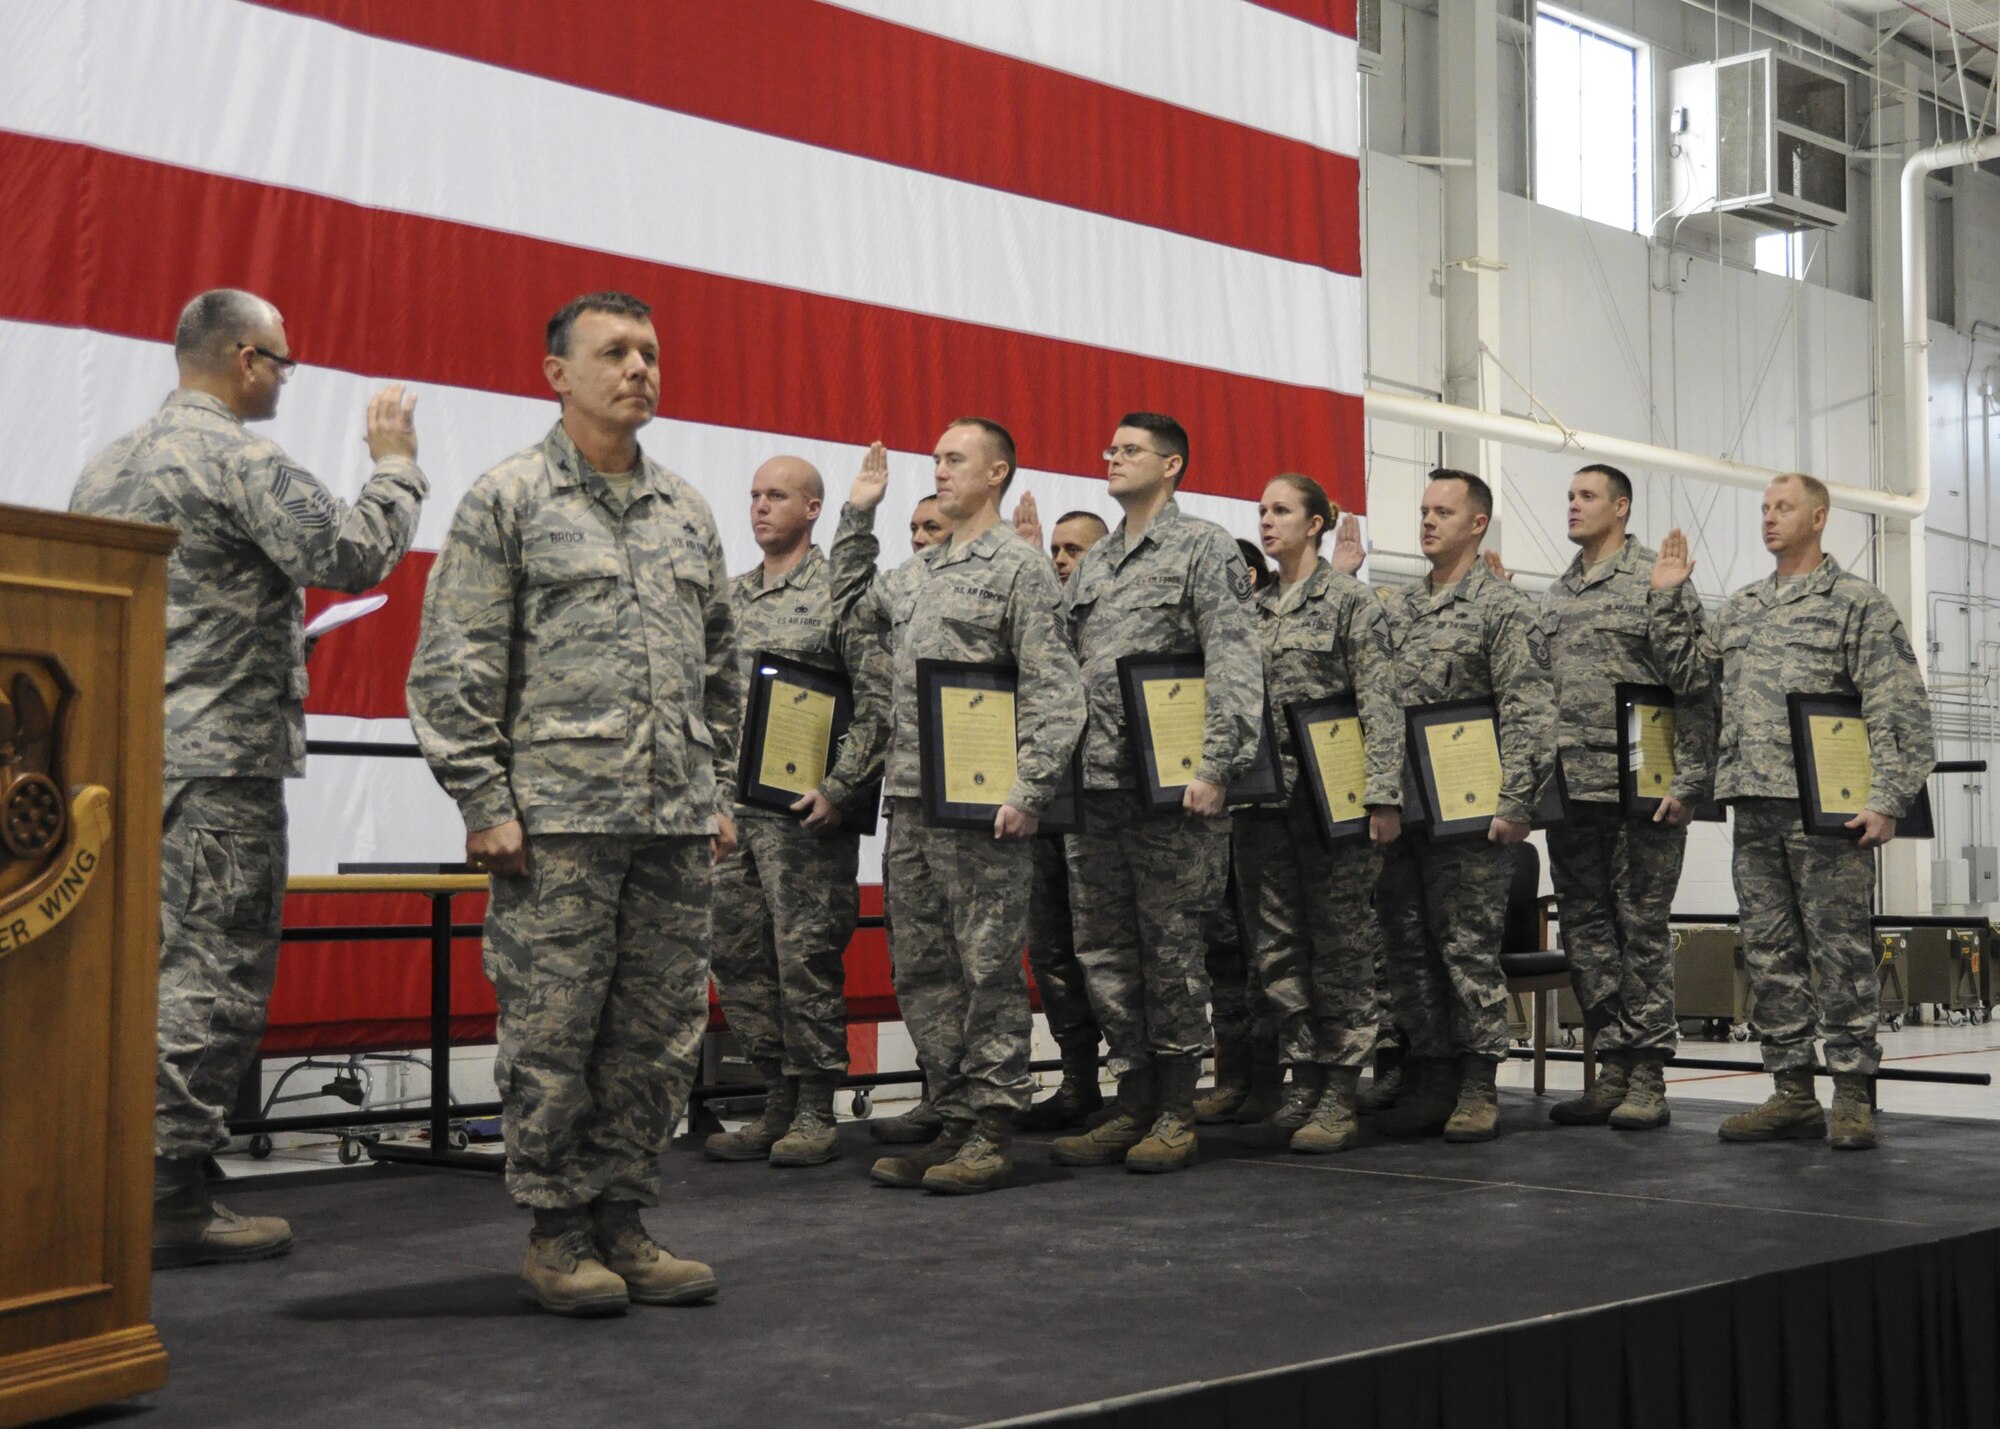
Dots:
pixel 306 105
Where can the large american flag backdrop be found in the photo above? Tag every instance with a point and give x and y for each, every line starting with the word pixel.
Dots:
pixel 854 220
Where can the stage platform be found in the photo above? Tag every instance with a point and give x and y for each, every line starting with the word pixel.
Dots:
pixel 1556 1276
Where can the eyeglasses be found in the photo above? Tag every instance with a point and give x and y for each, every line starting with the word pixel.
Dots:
pixel 1128 452
pixel 284 364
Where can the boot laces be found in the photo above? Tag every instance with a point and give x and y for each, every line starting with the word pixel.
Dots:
pixel 572 1247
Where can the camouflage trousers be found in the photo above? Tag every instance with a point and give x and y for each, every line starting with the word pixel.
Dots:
pixel 1141 886
pixel 1803 904
pixel 1442 910
pixel 222 892
pixel 1312 927
pixel 785 905
pixel 597 958
pixel 1052 951
pixel 1237 1007
pixel 1614 880
pixel 958 917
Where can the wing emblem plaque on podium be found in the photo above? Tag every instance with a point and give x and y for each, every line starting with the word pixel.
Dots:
pixel 50 847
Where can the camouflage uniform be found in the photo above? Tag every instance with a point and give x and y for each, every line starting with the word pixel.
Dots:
pixel 1143 882
pixel 1239 1009
pixel 958 898
pixel 1059 977
pixel 1311 908
pixel 786 903
pixel 1615 875
pixel 577 671
pixel 1804 900
pixel 254 529
pixel 1443 904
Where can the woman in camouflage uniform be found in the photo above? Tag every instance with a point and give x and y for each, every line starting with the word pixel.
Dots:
pixel 1311 907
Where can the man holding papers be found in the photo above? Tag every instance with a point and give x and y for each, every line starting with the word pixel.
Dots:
pixel 958 897
pixel 255 527
pixel 1463 635
pixel 1161 584
pixel 786 901
pixel 1812 628
pixel 1624 614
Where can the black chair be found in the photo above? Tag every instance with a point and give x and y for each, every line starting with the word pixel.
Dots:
pixel 1532 968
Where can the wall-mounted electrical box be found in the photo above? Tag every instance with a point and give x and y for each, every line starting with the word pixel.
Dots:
pixel 1761 140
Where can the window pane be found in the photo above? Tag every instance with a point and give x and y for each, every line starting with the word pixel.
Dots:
pixel 1586 122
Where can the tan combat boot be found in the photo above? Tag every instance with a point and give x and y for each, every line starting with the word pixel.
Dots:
pixel 1430 1095
pixel 812 1139
pixel 1232 1082
pixel 1791 1112
pixel 1335 1125
pixel 563 1272
pixel 190 1229
pixel 754 1141
pixel 1267 1083
pixel 1853 1112
pixel 1170 1144
pixel 1603 1097
pixel 1301 1096
pixel 1107 1143
pixel 653 1275
pixel 1477 1115
pixel 984 1163
pixel 915 1127
pixel 1645 1105
pixel 906 1172
pixel 1072 1103
pixel 1386 1087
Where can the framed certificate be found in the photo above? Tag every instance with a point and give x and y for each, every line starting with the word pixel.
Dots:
pixel 1455 751
pixel 1646 729
pixel 795 720
pixel 1166 707
pixel 1333 765
pixel 968 745
pixel 1835 770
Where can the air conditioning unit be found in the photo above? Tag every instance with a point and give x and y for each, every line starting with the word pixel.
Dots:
pixel 1760 139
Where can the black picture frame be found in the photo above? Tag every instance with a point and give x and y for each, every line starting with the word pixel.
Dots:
pixel 1065 812
pixel 1419 720
pixel 1553 807
pixel 767 669
pixel 1628 698
pixel 1818 819
pixel 1352 822
pixel 1261 785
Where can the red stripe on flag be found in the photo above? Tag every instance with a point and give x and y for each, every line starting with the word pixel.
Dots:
pixel 1335 15
pixel 116 244
pixel 836 79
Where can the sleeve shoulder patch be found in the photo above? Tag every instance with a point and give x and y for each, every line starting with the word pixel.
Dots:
pixel 1538 645
pixel 1900 638
pixel 301 498
pixel 1239 579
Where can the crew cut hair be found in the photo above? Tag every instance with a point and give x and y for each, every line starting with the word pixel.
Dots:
pixel 213 323
pixel 1619 484
pixel 1002 441
pixel 1170 436
pixel 1090 516
pixel 1476 490
pixel 563 325
pixel 1814 488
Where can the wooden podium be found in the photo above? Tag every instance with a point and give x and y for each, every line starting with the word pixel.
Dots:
pixel 82 654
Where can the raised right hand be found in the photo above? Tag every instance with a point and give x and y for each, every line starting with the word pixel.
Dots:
pixel 872 481
pixel 392 425
pixel 1672 567
pixel 1492 559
